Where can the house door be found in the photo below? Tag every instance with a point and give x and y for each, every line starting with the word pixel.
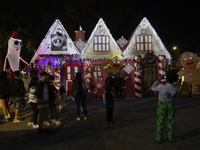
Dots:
pixel 70 70
pixel 149 77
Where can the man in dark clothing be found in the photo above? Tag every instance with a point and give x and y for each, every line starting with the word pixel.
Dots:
pixel 109 105
pixel 109 81
pixel 118 85
pixel 52 105
pixel 16 87
pixel 42 101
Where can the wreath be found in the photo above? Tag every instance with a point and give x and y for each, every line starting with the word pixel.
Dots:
pixel 149 60
pixel 150 70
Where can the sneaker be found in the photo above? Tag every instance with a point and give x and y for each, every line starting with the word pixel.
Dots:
pixel 78 118
pixel 58 123
pixel 36 126
pixel 8 115
pixel 107 124
pixel 16 120
pixel 46 123
pixel 85 118
pixel 111 124
pixel 30 124
pixel 4 120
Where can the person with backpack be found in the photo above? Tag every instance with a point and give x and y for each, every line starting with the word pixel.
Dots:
pixel 77 91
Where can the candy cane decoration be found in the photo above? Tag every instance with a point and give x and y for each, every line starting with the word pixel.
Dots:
pixel 137 73
pixel 161 67
pixel 57 77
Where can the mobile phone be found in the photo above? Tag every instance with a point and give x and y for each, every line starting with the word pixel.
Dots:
pixel 164 77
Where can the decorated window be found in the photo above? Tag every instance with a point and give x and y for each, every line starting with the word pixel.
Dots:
pixel 47 69
pixel 71 72
pixel 144 42
pixel 101 43
pixel 97 73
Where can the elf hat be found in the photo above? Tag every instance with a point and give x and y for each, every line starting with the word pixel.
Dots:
pixel 16 36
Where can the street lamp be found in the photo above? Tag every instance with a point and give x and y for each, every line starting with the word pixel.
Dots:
pixel 174 48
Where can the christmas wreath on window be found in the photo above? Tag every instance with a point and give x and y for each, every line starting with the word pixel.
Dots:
pixel 149 56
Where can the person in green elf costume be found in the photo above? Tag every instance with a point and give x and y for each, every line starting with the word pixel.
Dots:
pixel 166 105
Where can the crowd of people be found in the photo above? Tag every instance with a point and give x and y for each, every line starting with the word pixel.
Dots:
pixel 43 97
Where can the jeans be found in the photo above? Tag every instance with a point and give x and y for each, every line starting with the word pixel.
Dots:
pixel 52 107
pixel 80 101
pixel 43 111
pixel 109 113
pixel 17 102
pixel 35 112
pixel 118 89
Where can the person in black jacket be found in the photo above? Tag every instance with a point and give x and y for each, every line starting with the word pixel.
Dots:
pixel 52 105
pixel 4 95
pixel 109 105
pixel 118 85
pixel 16 87
pixel 109 81
pixel 43 101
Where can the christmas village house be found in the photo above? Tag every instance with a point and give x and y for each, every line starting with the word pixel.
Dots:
pixel 146 60
pixel 58 56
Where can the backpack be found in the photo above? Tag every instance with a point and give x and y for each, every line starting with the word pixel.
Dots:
pixel 76 89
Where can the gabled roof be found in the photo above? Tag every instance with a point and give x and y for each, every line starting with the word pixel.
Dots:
pixel 98 57
pixel 158 48
pixel 46 46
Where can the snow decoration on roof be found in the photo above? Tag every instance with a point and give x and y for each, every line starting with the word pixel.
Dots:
pixel 80 44
pixel 128 68
pixel 100 30
pixel 122 42
pixel 145 28
pixel 56 42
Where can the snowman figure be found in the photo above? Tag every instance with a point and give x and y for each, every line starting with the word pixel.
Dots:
pixel 13 55
pixel 59 41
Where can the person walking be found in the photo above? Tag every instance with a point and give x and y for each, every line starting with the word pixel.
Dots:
pixel 109 106
pixel 52 105
pixel 16 87
pixel 77 91
pixel 62 95
pixel 43 101
pixel 165 105
pixel 118 85
pixel 33 102
pixel 4 95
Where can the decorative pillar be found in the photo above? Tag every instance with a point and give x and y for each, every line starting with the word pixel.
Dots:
pixel 137 73
pixel 57 77
pixel 161 67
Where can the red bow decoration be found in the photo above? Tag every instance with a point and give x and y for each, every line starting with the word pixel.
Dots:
pixel 190 68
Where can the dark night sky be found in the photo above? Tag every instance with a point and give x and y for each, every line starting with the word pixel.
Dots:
pixel 177 23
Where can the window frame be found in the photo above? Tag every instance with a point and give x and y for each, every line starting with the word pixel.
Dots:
pixel 142 43
pixel 97 71
pixel 100 44
pixel 51 73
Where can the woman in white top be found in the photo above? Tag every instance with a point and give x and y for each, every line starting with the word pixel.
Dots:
pixel 165 105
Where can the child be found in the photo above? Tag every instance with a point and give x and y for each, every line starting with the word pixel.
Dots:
pixel 109 105
pixel 165 105
pixel 62 95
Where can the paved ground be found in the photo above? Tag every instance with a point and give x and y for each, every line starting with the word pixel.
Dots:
pixel 134 128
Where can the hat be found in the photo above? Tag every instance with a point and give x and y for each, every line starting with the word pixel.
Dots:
pixel 43 73
pixel 16 36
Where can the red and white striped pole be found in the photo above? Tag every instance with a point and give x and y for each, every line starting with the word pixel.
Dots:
pixel 137 73
pixel 161 59
pixel 57 77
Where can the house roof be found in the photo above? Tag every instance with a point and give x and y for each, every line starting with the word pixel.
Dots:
pixel 45 47
pixel 159 49
pixel 98 57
